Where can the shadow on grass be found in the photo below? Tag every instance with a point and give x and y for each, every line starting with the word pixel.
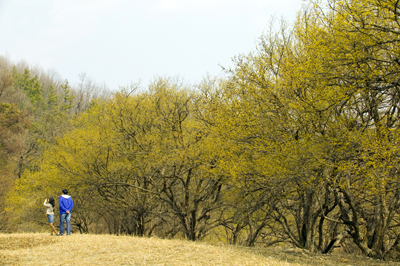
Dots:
pixel 303 257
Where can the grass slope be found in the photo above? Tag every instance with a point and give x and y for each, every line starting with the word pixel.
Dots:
pixel 42 249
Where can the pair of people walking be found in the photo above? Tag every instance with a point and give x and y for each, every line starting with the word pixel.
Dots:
pixel 65 207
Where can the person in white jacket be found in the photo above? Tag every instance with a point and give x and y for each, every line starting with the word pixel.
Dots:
pixel 50 214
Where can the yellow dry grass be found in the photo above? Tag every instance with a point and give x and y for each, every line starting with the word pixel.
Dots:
pixel 42 249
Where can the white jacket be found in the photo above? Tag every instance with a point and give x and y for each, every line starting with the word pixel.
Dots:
pixel 50 209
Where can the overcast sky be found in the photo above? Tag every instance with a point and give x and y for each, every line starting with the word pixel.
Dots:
pixel 120 42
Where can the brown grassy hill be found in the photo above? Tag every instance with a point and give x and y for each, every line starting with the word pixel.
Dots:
pixel 42 249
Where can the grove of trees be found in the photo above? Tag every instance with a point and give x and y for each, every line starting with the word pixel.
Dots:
pixel 298 144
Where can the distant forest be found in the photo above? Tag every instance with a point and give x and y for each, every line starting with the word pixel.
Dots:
pixel 297 144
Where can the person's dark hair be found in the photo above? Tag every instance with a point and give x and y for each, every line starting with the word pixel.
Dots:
pixel 64 191
pixel 51 201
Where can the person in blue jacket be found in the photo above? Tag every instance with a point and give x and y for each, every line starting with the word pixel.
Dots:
pixel 66 204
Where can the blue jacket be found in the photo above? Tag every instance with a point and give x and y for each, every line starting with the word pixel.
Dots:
pixel 65 202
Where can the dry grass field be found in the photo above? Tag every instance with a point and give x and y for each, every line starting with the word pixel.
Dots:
pixel 43 249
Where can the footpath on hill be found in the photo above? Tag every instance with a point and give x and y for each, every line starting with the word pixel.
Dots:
pixel 42 249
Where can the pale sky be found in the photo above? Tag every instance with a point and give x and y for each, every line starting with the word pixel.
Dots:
pixel 120 42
